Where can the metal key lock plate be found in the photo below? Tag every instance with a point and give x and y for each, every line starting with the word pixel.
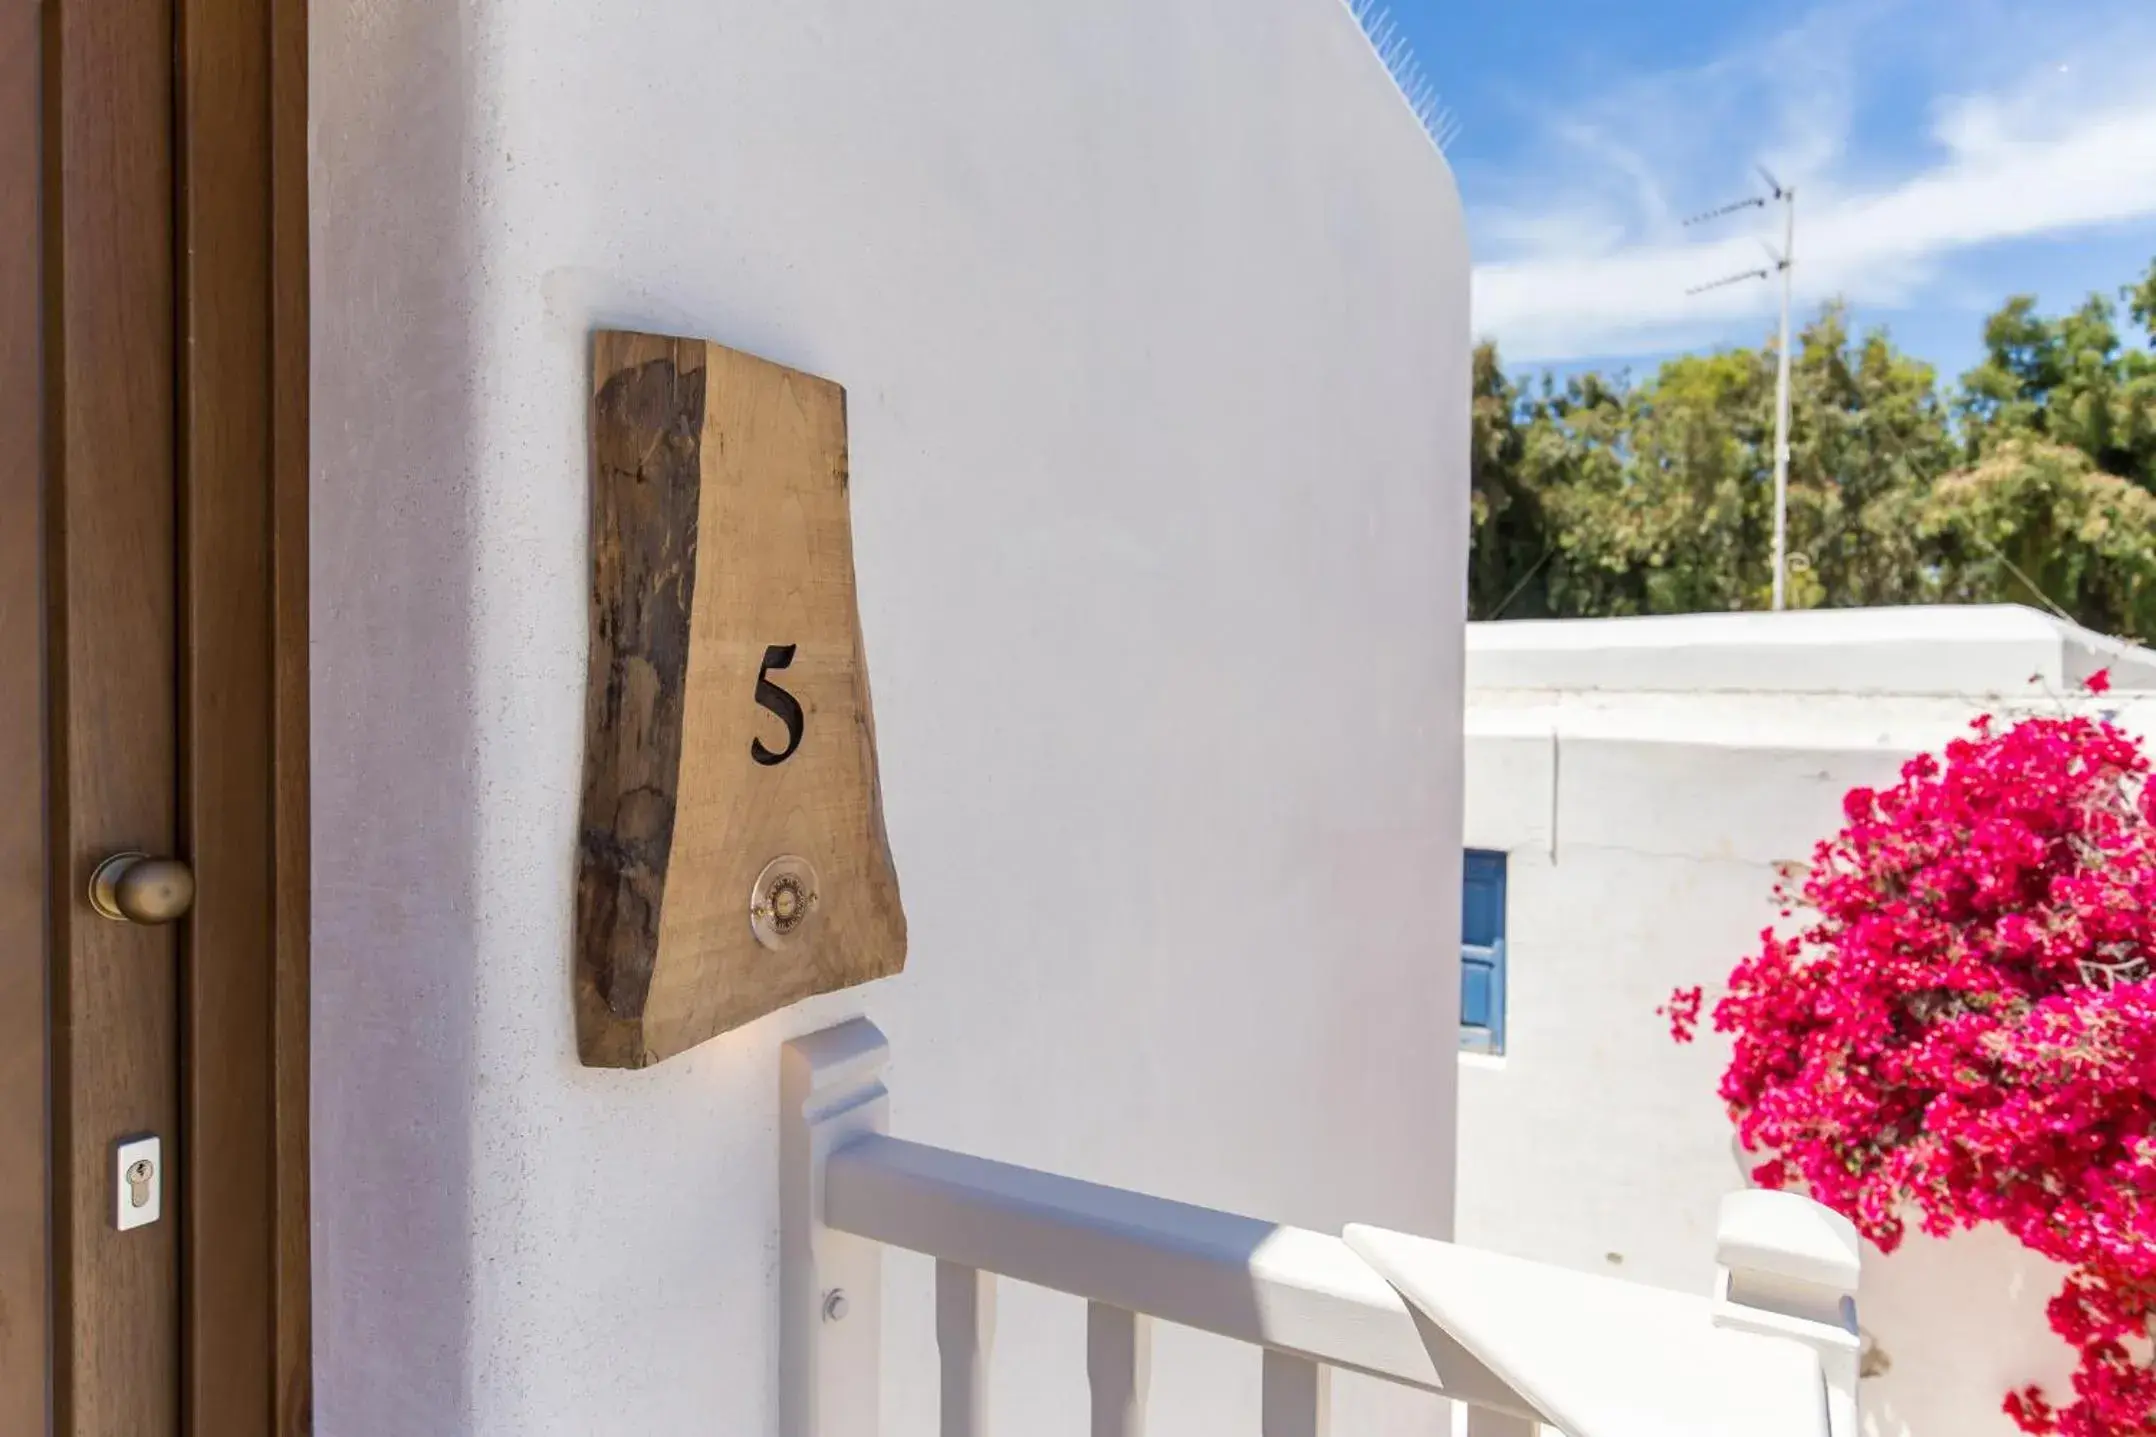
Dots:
pixel 138 1182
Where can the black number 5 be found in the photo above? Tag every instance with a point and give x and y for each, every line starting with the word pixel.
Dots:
pixel 769 695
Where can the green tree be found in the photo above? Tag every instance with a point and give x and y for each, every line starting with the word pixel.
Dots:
pixel 1658 508
pixel 1572 447
pixel 2071 380
pixel 2035 483
pixel 1510 538
pixel 1659 498
pixel 1868 427
pixel 2141 303
pixel 2037 523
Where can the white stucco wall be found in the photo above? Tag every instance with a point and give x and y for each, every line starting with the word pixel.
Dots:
pixel 1643 828
pixel 1152 315
pixel 1935 651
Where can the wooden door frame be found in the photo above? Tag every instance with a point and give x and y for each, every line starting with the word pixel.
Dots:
pixel 25 1151
pixel 233 158
pixel 241 167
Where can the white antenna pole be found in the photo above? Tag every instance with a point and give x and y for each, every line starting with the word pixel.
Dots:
pixel 1781 408
pixel 1786 262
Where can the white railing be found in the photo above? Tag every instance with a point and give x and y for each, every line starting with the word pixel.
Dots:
pixel 1773 1352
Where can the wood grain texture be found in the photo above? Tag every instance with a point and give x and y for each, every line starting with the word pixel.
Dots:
pixel 110 365
pixel 227 1212
pixel 25 1170
pixel 720 534
pixel 293 1364
pixel 647 438
pixel 176 661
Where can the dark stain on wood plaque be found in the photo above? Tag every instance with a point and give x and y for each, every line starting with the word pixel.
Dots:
pixel 647 435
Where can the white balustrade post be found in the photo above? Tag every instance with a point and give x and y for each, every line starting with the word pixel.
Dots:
pixel 1119 1366
pixel 1297 1400
pixel 830 1283
pixel 965 1333
pixel 1788 1267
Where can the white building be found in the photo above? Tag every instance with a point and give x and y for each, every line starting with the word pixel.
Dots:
pixel 1635 782
pixel 1136 337
pixel 1153 322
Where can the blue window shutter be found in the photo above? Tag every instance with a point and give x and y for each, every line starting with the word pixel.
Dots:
pixel 1478 981
pixel 1482 906
pixel 1482 952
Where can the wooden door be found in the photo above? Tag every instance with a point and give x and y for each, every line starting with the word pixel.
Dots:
pixel 152 699
pixel 24 1252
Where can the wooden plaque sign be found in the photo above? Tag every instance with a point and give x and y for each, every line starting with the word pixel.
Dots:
pixel 731 858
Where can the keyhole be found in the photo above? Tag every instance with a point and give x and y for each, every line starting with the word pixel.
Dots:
pixel 138 1183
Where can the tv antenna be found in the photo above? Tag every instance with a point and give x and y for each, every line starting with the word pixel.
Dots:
pixel 1783 263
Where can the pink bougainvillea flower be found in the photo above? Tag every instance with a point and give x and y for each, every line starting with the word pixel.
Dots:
pixel 2098 682
pixel 1963 1030
pixel 1682 1010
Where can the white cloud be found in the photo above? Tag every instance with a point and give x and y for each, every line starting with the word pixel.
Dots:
pixel 2065 145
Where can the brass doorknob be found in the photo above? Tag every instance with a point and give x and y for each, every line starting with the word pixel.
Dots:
pixel 136 888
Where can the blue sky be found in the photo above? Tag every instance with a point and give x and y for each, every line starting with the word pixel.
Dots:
pixel 1945 153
